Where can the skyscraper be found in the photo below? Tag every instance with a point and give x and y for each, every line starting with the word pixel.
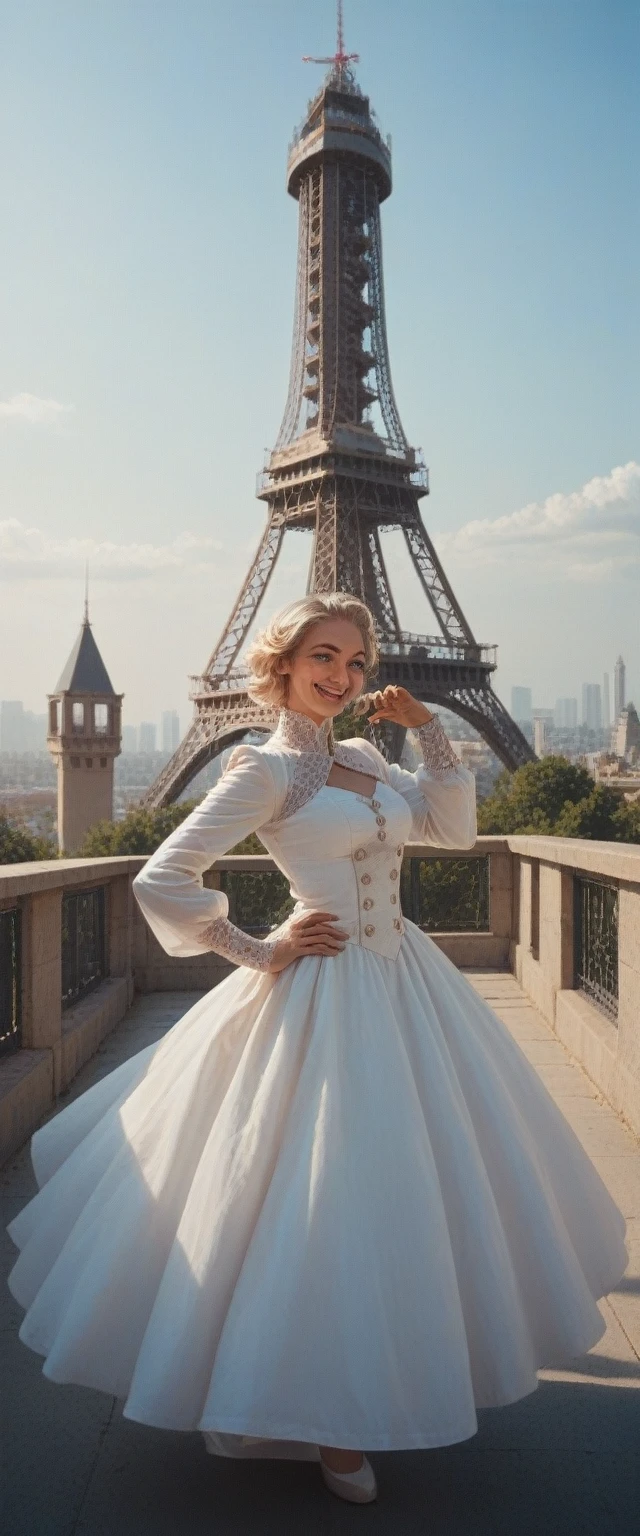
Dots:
pixel 592 706
pixel 566 714
pixel 147 737
pixel 619 691
pixel 521 704
pixel 170 728
pixel 129 738
pixel 606 708
pixel 626 737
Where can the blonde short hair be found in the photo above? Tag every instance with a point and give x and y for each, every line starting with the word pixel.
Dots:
pixel 286 631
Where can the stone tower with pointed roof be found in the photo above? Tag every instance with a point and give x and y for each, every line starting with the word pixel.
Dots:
pixel 84 740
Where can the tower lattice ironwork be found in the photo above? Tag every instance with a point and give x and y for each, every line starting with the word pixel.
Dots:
pixel 342 466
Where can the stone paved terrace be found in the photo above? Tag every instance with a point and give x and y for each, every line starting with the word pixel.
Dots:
pixel 565 1460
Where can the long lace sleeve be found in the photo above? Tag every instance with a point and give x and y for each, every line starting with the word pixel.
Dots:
pixel 238 946
pixel 185 916
pixel 441 793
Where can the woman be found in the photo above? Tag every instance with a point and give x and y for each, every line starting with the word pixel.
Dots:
pixel 334 1208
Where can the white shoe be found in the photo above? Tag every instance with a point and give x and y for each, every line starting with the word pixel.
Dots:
pixel 357 1487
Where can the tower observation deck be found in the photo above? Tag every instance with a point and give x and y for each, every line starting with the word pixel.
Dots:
pixel 342 466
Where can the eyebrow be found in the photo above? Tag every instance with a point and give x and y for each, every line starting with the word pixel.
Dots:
pixel 322 646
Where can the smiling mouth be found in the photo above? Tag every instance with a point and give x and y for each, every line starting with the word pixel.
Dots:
pixel 331 694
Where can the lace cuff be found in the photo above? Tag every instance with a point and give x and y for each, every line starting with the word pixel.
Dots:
pixel 238 946
pixel 437 751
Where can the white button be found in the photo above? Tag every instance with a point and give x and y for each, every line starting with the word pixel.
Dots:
pixel 381 821
pixel 393 899
pixel 365 879
pixel 399 850
pixel 397 923
pixel 375 805
pixel 393 874
pixel 359 854
pixel 367 903
pixel 369 930
pixel 382 837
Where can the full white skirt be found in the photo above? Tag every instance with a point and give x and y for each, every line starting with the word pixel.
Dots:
pixel 337 1206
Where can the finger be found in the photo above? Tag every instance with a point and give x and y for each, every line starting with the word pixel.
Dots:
pixel 315 917
pixel 321 926
pixel 310 946
pixel 321 938
pixel 323 950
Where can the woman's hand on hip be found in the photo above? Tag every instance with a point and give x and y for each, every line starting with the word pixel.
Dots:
pixel 312 933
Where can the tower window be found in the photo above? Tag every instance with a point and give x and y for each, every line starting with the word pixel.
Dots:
pixel 77 718
pixel 75 762
pixel 101 719
pixel 88 762
pixel 103 762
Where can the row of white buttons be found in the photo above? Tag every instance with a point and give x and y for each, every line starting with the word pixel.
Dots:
pixel 361 853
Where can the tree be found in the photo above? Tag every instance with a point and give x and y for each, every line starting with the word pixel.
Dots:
pixel 554 797
pixel 592 817
pixel 140 831
pixel 627 822
pixel 17 846
pixel 532 798
pixel 349 724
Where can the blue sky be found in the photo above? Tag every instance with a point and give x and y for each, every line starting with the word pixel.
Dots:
pixel 146 295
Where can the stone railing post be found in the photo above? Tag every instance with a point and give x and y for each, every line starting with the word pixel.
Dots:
pixel 556 932
pixel 501 898
pixel 42 975
pixel 524 904
pixel 119 929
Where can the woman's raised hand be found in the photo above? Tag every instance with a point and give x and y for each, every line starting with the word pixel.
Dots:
pixel 312 933
pixel 398 706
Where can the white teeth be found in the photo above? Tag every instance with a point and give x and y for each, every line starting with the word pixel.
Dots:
pixel 327 694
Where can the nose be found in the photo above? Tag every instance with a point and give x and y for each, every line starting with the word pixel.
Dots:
pixel 339 678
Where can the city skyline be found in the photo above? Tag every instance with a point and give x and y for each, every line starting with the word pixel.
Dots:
pixel 126 401
pixel 592 703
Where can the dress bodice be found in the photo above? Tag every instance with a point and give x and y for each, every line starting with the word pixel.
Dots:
pixel 341 851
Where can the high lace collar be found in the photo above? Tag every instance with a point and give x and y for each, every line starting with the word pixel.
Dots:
pixel 299 731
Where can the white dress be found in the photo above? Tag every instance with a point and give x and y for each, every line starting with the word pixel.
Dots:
pixel 330 1206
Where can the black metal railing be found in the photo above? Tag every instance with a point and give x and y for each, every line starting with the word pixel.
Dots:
pixel 83 943
pixel 447 895
pixel 595 942
pixel 256 902
pixel 10 981
pixel 441 895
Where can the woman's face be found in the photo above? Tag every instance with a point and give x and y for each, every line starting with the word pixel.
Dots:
pixel 327 670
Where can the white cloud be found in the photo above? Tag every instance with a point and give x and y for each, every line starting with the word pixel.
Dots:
pixel 602 518
pixel 32 409
pixel 31 553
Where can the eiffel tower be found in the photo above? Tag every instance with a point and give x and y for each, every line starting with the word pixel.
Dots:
pixel 342 466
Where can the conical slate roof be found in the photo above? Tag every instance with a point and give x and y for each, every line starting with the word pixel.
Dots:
pixel 85 671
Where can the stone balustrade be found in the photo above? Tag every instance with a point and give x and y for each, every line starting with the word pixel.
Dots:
pixel 538 888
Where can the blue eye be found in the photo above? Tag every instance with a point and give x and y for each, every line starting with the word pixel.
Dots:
pixel 359 664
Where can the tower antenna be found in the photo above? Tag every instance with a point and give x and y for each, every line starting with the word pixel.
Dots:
pixel 86 592
pixel 339 59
